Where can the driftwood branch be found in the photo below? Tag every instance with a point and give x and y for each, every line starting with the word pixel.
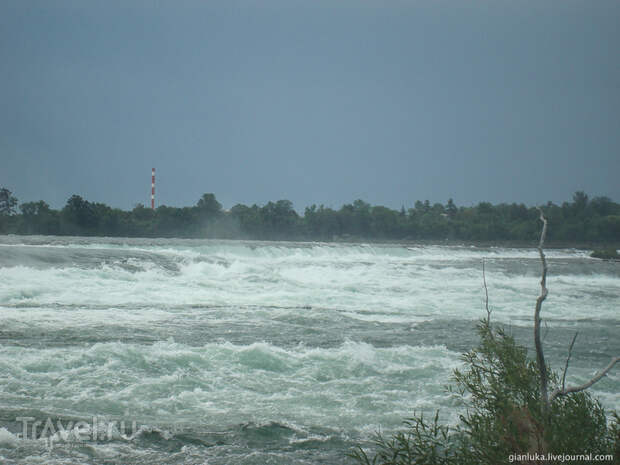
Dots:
pixel 540 356
pixel 570 352
pixel 562 392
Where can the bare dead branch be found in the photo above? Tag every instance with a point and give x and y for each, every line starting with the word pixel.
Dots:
pixel 570 352
pixel 562 392
pixel 540 356
pixel 486 295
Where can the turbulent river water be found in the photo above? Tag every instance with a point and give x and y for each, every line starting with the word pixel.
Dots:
pixel 229 352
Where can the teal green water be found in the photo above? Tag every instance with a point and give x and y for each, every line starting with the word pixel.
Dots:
pixel 262 353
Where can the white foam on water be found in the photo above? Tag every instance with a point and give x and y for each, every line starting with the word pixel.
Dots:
pixel 167 286
pixel 224 383
pixel 393 280
pixel 8 439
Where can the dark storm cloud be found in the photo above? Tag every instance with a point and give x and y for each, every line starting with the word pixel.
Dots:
pixel 317 102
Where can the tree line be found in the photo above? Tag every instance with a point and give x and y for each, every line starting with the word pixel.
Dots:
pixel 582 220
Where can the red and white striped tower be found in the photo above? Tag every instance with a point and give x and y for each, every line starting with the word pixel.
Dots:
pixel 153 189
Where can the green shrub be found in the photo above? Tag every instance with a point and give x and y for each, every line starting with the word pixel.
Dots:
pixel 500 387
pixel 606 254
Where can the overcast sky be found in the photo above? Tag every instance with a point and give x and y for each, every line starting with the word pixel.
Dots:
pixel 314 101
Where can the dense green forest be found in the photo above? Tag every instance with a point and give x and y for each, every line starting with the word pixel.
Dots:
pixel 583 220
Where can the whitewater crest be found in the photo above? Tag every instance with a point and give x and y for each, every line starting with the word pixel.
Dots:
pixel 260 352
